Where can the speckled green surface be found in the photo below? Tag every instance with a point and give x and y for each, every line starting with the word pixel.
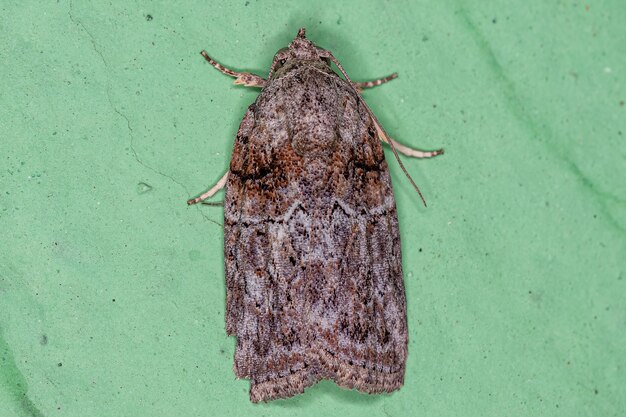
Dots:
pixel 112 289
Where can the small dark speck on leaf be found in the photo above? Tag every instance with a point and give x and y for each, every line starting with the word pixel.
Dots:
pixel 420 249
pixel 595 391
pixel 148 17
pixel 59 364
pixel 424 38
pixel 621 103
pixel 43 340
pixel 247 3
pixel 143 188
pixel 494 21
pixel 113 300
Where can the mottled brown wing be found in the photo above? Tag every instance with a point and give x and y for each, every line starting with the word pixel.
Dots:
pixel 313 264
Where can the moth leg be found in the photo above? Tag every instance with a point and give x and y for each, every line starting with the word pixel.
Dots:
pixel 218 186
pixel 242 78
pixel 374 83
pixel 415 153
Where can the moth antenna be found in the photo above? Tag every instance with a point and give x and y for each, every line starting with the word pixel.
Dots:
pixel 272 68
pixel 379 128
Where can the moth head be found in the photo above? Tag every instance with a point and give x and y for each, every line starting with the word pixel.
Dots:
pixel 300 49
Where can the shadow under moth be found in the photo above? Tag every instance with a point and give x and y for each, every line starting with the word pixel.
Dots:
pixel 314 286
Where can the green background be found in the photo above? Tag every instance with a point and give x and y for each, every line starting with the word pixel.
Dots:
pixel 112 289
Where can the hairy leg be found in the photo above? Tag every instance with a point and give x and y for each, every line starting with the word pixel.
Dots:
pixel 218 186
pixel 374 83
pixel 242 78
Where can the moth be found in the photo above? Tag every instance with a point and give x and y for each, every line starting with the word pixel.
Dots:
pixel 314 286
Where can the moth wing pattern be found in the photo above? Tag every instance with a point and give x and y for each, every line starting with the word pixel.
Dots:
pixel 312 248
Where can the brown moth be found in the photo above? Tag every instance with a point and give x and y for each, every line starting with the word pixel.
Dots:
pixel 314 286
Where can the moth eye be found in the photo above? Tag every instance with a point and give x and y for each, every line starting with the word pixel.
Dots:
pixel 282 61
